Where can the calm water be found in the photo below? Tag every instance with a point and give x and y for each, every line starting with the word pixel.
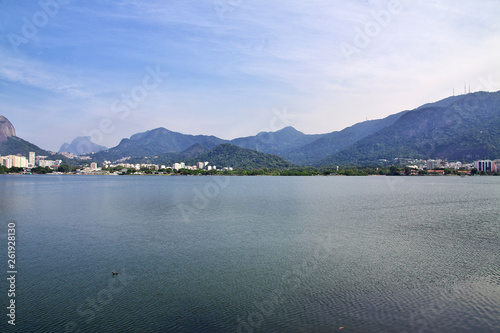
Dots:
pixel 253 254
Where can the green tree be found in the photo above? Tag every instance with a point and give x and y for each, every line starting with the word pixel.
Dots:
pixel 15 170
pixel 39 170
pixel 64 168
pixel 394 170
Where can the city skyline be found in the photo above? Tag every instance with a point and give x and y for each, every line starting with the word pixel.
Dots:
pixel 227 68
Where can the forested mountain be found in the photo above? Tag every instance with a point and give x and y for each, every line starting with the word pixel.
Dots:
pixel 228 155
pixel 156 142
pixel 465 127
pixel 331 143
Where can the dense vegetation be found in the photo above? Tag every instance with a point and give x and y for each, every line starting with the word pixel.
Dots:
pixel 331 143
pixel 37 170
pixel 464 128
pixel 393 170
pixel 227 155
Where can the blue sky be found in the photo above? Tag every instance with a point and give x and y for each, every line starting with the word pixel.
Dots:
pixel 233 68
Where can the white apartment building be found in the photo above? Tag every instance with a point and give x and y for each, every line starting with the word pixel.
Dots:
pixel 496 165
pixel 31 159
pixel 6 162
pixel 484 165
pixel 433 164
pixel 46 163
pixel 15 161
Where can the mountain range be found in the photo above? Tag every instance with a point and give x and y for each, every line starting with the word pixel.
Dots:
pixel 464 127
pixel 288 143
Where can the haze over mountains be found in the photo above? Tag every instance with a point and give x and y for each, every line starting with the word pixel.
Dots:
pixel 81 145
pixel 463 127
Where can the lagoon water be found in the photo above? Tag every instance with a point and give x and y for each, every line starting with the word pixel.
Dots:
pixel 253 254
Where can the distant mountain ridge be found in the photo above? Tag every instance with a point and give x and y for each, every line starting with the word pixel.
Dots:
pixel 331 143
pixel 464 127
pixel 457 127
pixel 281 142
pixel 289 143
pixel 156 142
pixel 81 145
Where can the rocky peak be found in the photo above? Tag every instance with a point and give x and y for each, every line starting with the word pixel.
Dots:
pixel 6 129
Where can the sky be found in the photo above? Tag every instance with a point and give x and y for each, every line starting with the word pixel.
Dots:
pixel 233 68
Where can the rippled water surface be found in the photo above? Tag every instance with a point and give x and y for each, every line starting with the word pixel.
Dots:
pixel 254 254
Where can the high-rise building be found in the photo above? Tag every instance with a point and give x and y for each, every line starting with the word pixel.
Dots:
pixel 31 159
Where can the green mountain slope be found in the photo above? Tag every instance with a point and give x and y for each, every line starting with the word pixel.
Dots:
pixel 155 142
pixel 331 143
pixel 227 155
pixel 14 145
pixel 464 127
pixel 280 142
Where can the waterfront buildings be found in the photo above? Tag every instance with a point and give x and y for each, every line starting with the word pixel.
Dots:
pixel 484 165
pixel 14 161
pixel 431 165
